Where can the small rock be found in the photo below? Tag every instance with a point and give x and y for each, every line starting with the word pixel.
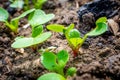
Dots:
pixel 105 52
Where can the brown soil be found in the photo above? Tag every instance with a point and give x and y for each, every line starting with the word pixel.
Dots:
pixel 99 57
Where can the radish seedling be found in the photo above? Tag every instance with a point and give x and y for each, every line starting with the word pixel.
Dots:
pixel 73 36
pixel 36 19
pixel 13 24
pixel 57 62
pixel 36 3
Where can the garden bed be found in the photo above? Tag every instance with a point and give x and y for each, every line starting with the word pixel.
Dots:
pixel 98 59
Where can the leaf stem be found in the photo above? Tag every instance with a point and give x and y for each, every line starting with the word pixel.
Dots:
pixel 27 7
pixel 60 71
pixel 12 27
pixel 35 48
pixel 75 52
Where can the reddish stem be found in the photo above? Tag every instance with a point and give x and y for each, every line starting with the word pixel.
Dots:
pixel 34 48
pixel 75 52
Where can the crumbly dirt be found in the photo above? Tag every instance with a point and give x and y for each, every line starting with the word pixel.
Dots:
pixel 98 59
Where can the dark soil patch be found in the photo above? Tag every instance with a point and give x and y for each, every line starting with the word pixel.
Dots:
pixel 99 57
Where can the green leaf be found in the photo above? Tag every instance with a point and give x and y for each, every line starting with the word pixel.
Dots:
pixel 101 20
pixel 62 57
pixel 74 33
pixel 76 42
pixel 55 27
pixel 26 42
pixel 67 30
pixel 51 76
pixel 36 12
pixel 17 4
pixel 39 3
pixel 22 42
pixel 15 23
pixel 100 29
pixel 3 15
pixel 24 14
pixel 71 71
pixel 37 30
pixel 70 27
pixel 11 26
pixel 42 37
pixel 48 59
pixel 39 17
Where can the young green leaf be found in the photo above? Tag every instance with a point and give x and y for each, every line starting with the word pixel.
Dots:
pixel 67 30
pixel 75 42
pixel 23 14
pixel 39 4
pixel 100 29
pixel 22 42
pixel 70 27
pixel 48 59
pixel 3 15
pixel 101 20
pixel 74 33
pixel 11 26
pixel 42 37
pixel 51 76
pixel 26 42
pixel 71 71
pixel 62 57
pixel 39 17
pixel 37 30
pixel 55 27
pixel 15 23
pixel 17 4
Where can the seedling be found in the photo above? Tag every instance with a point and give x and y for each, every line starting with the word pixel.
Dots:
pixel 39 3
pixel 36 3
pixel 73 36
pixel 36 20
pixel 13 24
pixel 56 63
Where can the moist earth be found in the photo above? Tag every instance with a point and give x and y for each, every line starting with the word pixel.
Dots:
pixel 99 57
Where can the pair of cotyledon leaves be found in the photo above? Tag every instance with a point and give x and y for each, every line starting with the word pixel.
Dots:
pixel 36 19
pixel 53 62
pixel 56 63
pixel 13 24
pixel 73 35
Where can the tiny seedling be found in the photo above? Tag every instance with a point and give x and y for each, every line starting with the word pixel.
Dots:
pixel 36 3
pixel 13 24
pixel 73 36
pixel 56 63
pixel 36 20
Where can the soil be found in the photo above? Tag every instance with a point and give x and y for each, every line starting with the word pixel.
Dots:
pixel 98 59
